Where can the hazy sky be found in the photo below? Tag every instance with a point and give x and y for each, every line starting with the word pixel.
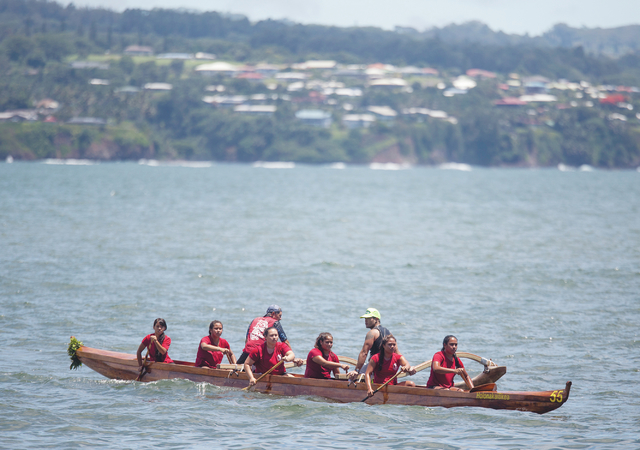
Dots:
pixel 511 16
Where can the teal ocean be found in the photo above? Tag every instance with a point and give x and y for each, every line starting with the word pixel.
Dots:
pixel 537 269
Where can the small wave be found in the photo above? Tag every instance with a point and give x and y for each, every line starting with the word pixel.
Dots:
pixel 69 162
pixel 455 166
pixel 274 164
pixel 149 162
pixel 334 264
pixel 189 164
pixel 337 165
pixel 9 159
pixel 565 168
pixel 388 166
pixel 586 168
pixel 194 164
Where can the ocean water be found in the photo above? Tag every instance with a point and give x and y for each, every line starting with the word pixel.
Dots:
pixel 537 269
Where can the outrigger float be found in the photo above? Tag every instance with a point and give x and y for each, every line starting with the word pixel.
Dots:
pixel 124 366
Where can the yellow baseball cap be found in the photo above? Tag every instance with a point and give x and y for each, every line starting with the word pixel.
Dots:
pixel 371 312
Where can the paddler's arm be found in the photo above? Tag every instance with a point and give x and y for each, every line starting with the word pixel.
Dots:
pixel 367 379
pixel 406 367
pixel 159 347
pixel 335 366
pixel 369 339
pixel 231 357
pixel 141 347
pixel 467 379
pixel 247 369
pixel 290 356
pixel 226 351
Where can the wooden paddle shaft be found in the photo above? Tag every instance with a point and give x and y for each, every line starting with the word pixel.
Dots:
pixel 141 374
pixel 380 387
pixel 265 374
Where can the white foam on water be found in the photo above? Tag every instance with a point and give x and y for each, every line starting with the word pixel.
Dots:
pixel 565 168
pixel 69 162
pixel 180 163
pixel 388 166
pixel 79 162
pixel 585 168
pixel 9 159
pixel 274 165
pixel 149 162
pixel 193 164
pixel 456 166
pixel 338 165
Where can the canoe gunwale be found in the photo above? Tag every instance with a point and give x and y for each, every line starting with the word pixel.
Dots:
pixel 125 366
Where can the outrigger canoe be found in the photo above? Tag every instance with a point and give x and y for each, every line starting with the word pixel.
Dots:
pixel 124 366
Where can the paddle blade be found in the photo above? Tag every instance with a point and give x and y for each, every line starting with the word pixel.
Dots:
pixel 484 387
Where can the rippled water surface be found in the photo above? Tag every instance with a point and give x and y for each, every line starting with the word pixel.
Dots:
pixel 538 270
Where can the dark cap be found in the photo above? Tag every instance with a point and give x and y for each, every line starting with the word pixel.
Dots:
pixel 273 308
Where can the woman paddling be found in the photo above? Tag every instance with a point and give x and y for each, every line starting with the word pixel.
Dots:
pixel 158 344
pixel 386 363
pixel 270 353
pixel 321 361
pixel 213 347
pixel 446 365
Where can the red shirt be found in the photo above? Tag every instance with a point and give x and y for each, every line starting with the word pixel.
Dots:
pixel 255 333
pixel 315 370
pixel 389 368
pixel 444 380
pixel 154 354
pixel 265 361
pixel 206 358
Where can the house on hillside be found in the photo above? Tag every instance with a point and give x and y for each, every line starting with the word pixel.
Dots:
pixel 388 83
pixel 20 115
pixel 510 101
pixel 314 117
pixel 180 56
pixel 157 87
pixel 217 68
pixel 315 65
pixel 352 121
pixel 256 110
pixel 138 50
pixel 383 113
pixel 86 65
pixel 479 73
pixel 94 121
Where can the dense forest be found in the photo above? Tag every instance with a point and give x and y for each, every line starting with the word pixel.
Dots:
pixel 40 41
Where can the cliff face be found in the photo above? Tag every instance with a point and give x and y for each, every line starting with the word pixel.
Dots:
pixel 30 141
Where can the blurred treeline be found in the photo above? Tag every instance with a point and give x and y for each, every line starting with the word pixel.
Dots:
pixel 38 38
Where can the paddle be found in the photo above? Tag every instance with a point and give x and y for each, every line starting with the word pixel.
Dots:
pixel 418 368
pixel 264 374
pixel 484 387
pixel 387 382
pixel 144 367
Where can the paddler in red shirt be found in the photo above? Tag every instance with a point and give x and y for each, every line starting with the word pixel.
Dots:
pixel 445 365
pixel 158 344
pixel 384 365
pixel 321 361
pixel 257 327
pixel 268 355
pixel 213 347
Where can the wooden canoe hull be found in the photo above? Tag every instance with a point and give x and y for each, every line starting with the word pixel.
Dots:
pixel 125 367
